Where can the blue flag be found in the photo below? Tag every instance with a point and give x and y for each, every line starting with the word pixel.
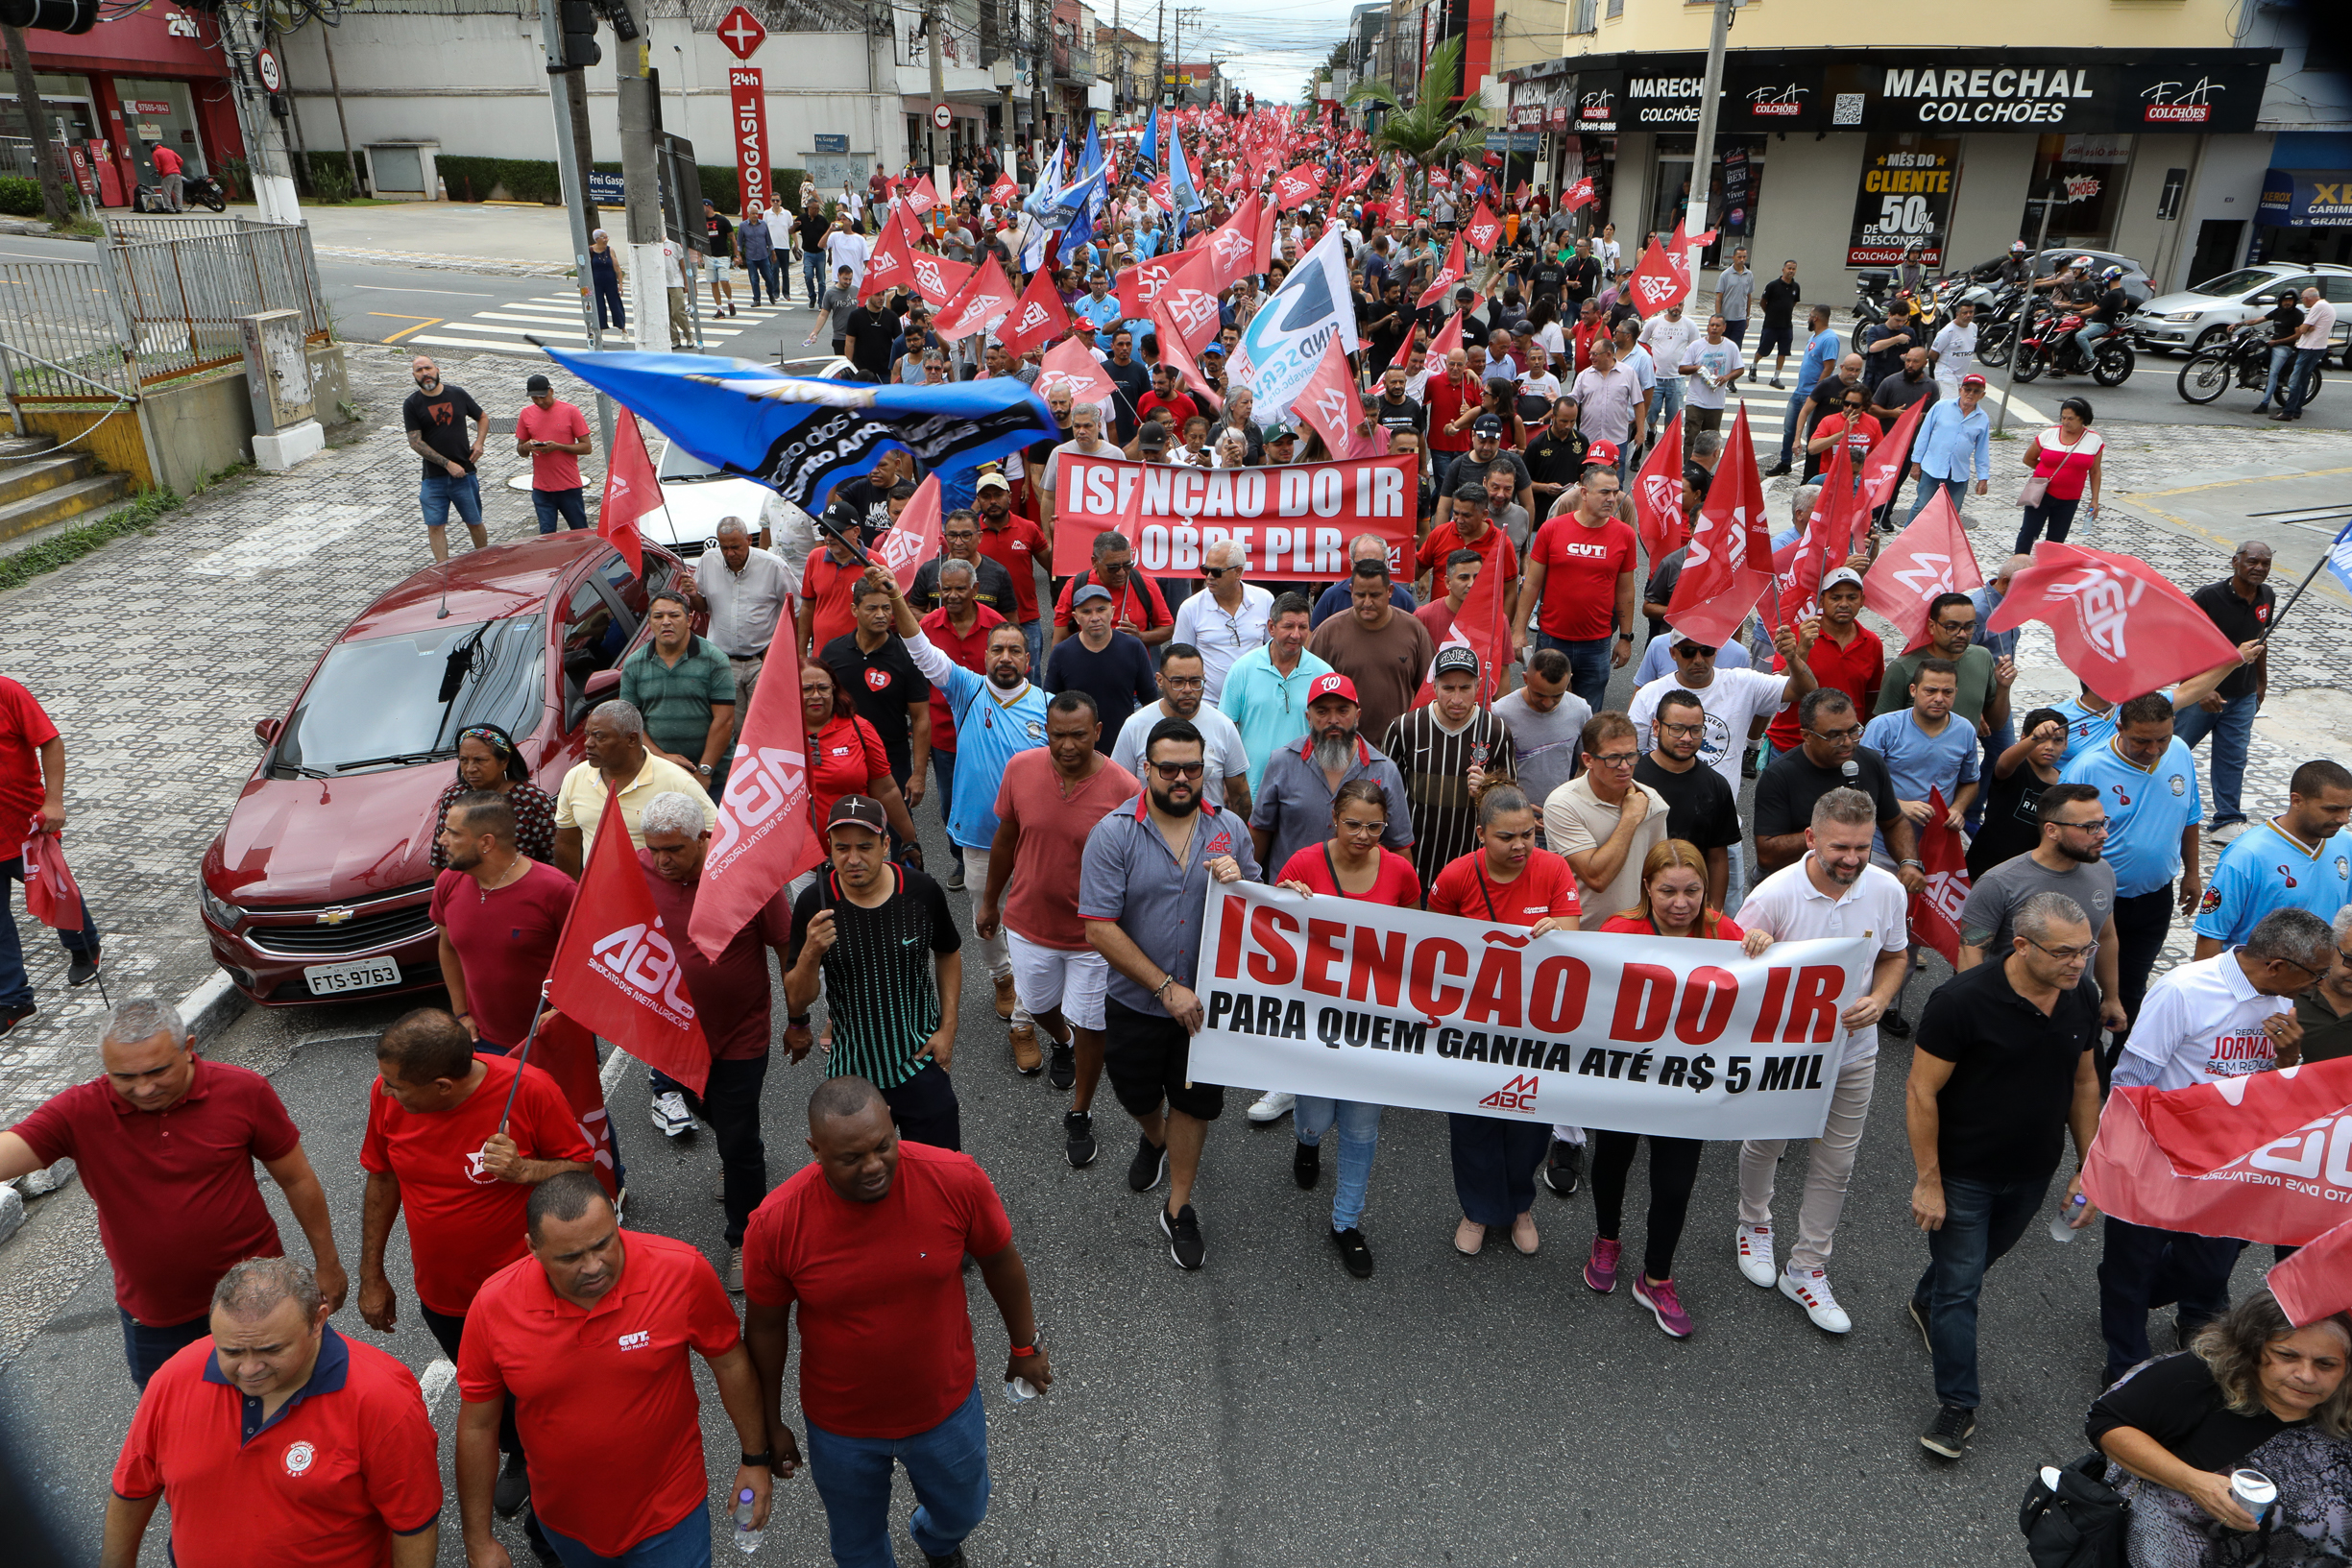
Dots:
pixel 2339 556
pixel 1042 194
pixel 1146 150
pixel 800 436
pixel 1181 177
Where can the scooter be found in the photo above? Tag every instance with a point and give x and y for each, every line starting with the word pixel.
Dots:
pixel 195 190
pixel 2052 342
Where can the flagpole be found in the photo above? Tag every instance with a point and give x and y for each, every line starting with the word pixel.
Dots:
pixel 2265 638
pixel 523 1058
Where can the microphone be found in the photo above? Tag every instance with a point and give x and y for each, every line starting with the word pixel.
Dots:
pixel 1851 768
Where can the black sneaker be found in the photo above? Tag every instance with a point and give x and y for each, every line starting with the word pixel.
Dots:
pixel 1184 1232
pixel 1078 1137
pixel 1919 1316
pixel 1747 764
pixel 1061 1066
pixel 1776 470
pixel 1307 1164
pixel 1564 1169
pixel 514 1487
pixel 954 1559
pixel 83 970
pixel 1149 1164
pixel 10 1017
pixel 1948 1434
pixel 953 882
pixel 1896 1025
pixel 1355 1256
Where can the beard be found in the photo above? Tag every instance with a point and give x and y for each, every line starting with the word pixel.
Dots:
pixel 2082 857
pixel 1175 808
pixel 1335 749
pixel 1004 678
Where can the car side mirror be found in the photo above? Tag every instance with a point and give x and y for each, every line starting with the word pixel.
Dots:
pixel 265 730
pixel 602 684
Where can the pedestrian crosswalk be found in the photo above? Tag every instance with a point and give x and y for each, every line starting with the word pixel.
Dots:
pixel 751 334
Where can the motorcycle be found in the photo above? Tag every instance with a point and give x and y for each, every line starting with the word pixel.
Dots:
pixel 2052 341
pixel 195 190
pixel 2244 361
pixel 1875 290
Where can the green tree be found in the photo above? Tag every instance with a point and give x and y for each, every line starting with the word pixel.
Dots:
pixel 1434 129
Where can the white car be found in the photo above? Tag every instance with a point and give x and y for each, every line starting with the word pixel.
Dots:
pixel 2203 314
pixel 695 495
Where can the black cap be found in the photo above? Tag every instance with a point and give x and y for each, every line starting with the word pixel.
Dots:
pixel 1452 656
pixel 538 383
pixel 859 811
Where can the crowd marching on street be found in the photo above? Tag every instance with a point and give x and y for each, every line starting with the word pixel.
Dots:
pixel 1526 452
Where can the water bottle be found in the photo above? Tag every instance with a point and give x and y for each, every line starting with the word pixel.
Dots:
pixel 2060 1228
pixel 746 1539
pixel 1020 1390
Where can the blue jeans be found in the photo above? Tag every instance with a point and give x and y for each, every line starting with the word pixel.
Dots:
pixel 15 990
pixel 1359 1127
pixel 1924 488
pixel 812 263
pixel 2091 333
pixel 2141 1270
pixel 1983 1221
pixel 2306 370
pixel 2282 359
pixel 2231 729
pixel 948 1467
pixel 1788 424
pixel 686 1544
pixel 568 505
pixel 147 1347
pixel 1668 405
pixel 439 491
pixel 763 270
pixel 1589 667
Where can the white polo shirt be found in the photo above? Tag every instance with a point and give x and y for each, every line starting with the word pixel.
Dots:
pixel 2199 1021
pixel 1787 904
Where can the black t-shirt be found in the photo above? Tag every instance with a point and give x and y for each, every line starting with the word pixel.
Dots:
pixel 2176 1401
pixel 1659 589
pixel 721 232
pixel 1405 414
pixel 880 985
pixel 1550 279
pixel 441 419
pixel 1584 276
pixel 1128 383
pixel 1899 393
pixel 1881 362
pixel 991 586
pixel 873 504
pixel 1119 679
pixel 812 229
pixel 2111 306
pixel 883 683
pixel 1779 297
pixel 1787 792
pixel 2010 827
pixel 1555 459
pixel 2001 1115
pixel 2240 622
pixel 1700 807
pixel 2286 319
pixel 870 333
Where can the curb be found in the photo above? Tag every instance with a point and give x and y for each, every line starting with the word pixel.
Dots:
pixel 212 1005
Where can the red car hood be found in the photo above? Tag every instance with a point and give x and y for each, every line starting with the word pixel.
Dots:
pixel 328 840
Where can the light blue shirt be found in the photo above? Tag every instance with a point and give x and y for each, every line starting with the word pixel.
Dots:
pixel 1269 707
pixel 1100 314
pixel 1953 444
pixel 2146 812
pixel 2085 731
pixel 1917 761
pixel 2264 869
pixel 1657 658
pixel 1999 644
pixel 1821 356
pixel 989 733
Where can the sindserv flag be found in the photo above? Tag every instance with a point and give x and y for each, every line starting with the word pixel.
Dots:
pixel 764 838
pixel 1933 557
pixel 1935 910
pixel 631 491
pixel 2120 624
pixel 912 540
pixel 1658 497
pixel 1284 342
pixel 567 1053
pixel 617 970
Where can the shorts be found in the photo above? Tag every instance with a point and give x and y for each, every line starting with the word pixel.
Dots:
pixel 716 267
pixel 1147 1056
pixel 1777 336
pixel 1045 979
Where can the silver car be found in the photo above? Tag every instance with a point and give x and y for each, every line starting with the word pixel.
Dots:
pixel 2203 314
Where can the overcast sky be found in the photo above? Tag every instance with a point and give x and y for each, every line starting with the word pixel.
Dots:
pixel 1267 48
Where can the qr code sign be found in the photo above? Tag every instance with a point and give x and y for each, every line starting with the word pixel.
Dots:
pixel 1849 110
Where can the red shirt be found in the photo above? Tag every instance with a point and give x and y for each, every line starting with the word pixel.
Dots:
pixel 166 161
pixel 886 1337
pixel 1580 569
pixel 1053 822
pixel 1864 436
pixel 175 1189
pixel 825 586
pixel 1726 929
pixel 463 1225
pixel 24 729
pixel 970 652
pixel 1438 617
pixel 1586 334
pixel 559 423
pixel 1446 539
pixel 505 942
pixel 844 757
pixel 731 997
pixel 1859 669
pixel 1018 547
pixel 345 1464
pixel 1139 601
pixel 1545 889
pixel 1445 399
pixel 605 1395
pixel 1396 882
pixel 1180 408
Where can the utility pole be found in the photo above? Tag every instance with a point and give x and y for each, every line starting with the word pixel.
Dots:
pixel 931 24
pixel 56 198
pixel 265 153
pixel 1116 106
pixel 1045 74
pixel 1703 146
pixel 640 114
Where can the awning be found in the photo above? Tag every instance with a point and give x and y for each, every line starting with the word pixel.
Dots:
pixel 2305 199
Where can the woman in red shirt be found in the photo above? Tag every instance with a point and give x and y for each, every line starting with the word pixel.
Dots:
pixel 1504 882
pixel 1673 904
pixel 1350 865
pixel 845 757
pixel 1854 425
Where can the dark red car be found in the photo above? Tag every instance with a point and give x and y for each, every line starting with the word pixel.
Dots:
pixel 319 886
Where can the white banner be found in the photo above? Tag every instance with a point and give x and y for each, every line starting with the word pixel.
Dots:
pixel 1363 1002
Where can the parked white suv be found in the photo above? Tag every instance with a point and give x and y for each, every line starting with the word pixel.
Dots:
pixel 2203 314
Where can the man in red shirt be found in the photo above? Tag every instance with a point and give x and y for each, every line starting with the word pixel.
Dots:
pixel 1847 657
pixel 1445 397
pixel 587 1337
pixel 448 1148
pixel 554 436
pixel 165 1142
pixel 1469 528
pixel 171 169
pixel 31 797
pixel 278 1440
pixel 1164 394
pixel 1138 607
pixel 869 1238
pixel 730 1003
pixel 828 584
pixel 960 629
pixel 499 913
pixel 1578 587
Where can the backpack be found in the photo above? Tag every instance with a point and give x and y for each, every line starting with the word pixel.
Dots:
pixel 2081 1523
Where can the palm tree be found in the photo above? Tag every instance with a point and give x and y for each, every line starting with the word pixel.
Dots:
pixel 1430 132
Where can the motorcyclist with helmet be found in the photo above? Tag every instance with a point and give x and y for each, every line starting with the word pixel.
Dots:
pixel 2110 305
pixel 2016 268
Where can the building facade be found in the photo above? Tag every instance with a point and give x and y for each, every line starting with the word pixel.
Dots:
pixel 155 77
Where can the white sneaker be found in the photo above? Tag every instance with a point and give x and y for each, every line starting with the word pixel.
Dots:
pixel 1809 1289
pixel 1272 1106
pixel 2228 832
pixel 670 1117
pixel 1753 1246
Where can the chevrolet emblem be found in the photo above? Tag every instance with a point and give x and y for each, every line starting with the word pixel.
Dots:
pixel 334 917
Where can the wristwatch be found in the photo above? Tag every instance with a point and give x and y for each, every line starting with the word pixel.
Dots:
pixel 703 768
pixel 761 1461
pixel 1625 636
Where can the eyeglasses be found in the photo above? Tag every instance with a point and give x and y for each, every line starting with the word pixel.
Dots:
pixel 1359 829
pixel 1173 771
pixel 1852 732
pixel 1183 683
pixel 2096 825
pixel 2307 969
pixel 2067 955
pixel 1684 728
pixel 1616 759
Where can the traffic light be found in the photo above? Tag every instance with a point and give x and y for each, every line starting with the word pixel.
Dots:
pixel 623 21
pixel 580 51
pixel 51 16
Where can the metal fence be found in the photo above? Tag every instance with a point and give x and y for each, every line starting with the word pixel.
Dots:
pixel 160 300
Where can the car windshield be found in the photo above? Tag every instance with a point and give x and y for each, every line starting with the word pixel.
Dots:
pixel 2230 285
pixel 678 466
pixel 399 701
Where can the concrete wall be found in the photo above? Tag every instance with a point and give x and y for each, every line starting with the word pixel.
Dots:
pixel 2226 187
pixel 201 426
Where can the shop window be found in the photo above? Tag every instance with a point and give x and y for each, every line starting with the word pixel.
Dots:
pixel 2082 177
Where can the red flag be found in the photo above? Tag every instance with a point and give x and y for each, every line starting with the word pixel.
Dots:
pixel 1327 404
pixel 764 838
pixel 1658 497
pixel 1933 556
pixel 890 265
pixel 1138 286
pixel 1447 340
pixel 1935 912
pixel 2207 1127
pixel 1404 350
pixel 935 277
pixel 1456 268
pixel 1579 194
pixel 1827 542
pixel 617 970
pixel 1883 468
pixel 2317 1281
pixel 1071 362
pixel 1038 316
pixel 630 491
pixel 1005 188
pixel 567 1053
pixel 51 895
pixel 1185 301
pixel 1232 249
pixel 1161 196
pixel 1177 347
pixel 1519 198
pixel 1738 464
pixel 1482 229
pixel 1263 257
pixel 985 297
pixel 1729 565
pixel 1297 185
pixel 961 189
pixel 921 196
pixel 1481 628
pixel 1656 282
pixel 912 540
pixel 2120 624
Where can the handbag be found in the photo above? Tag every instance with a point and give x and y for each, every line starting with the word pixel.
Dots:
pixel 2081 1522
pixel 2030 495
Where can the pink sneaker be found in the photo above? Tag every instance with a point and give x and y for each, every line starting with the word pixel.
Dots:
pixel 1600 1269
pixel 1664 1305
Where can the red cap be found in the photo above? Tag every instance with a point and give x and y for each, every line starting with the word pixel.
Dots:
pixel 1332 686
pixel 1602 452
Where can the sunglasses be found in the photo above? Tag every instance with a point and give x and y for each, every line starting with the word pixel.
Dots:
pixel 1693 650
pixel 1174 771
